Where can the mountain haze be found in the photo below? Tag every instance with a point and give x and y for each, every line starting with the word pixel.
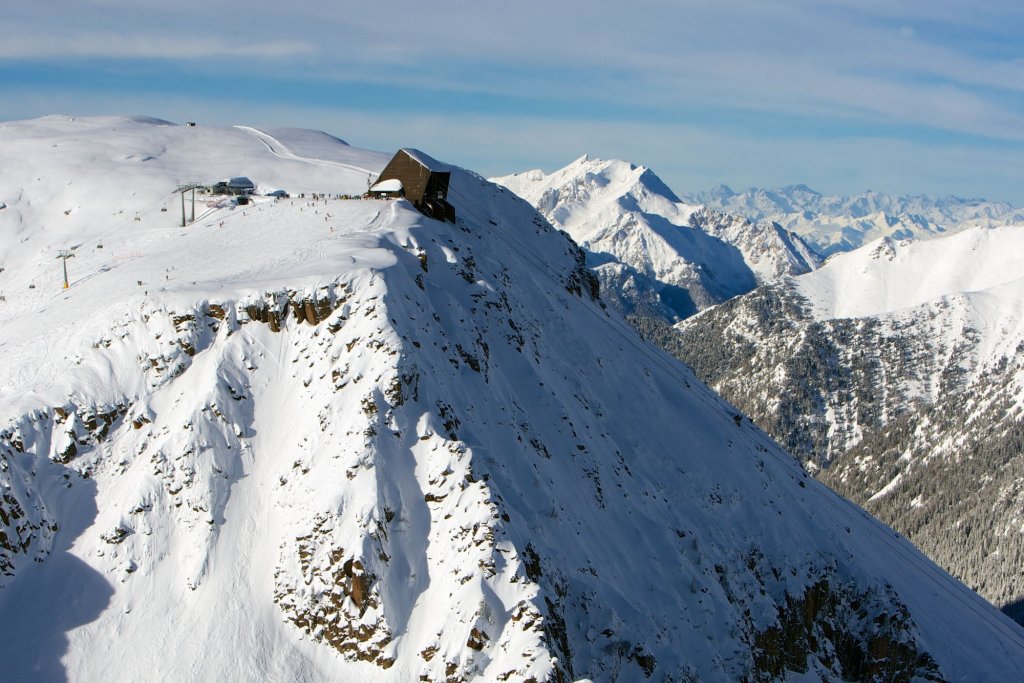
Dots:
pixel 833 223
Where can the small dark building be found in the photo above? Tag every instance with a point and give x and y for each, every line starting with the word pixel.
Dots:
pixel 421 179
pixel 387 189
pixel 241 185
pixel 234 186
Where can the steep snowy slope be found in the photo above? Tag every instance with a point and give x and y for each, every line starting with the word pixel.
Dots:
pixel 834 224
pixel 893 364
pixel 336 440
pixel 654 254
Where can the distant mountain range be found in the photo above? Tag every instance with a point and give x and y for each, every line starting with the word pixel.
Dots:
pixel 656 255
pixel 836 223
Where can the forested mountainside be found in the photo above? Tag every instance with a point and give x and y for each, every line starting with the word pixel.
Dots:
pixel 907 400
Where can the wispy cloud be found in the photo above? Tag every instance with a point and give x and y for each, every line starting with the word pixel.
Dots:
pixel 114 45
pixel 814 73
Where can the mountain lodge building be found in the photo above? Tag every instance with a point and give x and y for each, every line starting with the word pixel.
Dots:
pixel 420 179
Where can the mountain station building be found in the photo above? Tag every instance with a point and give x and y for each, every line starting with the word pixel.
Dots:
pixel 420 179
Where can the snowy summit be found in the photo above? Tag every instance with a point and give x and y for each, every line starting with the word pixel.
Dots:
pixel 324 439
pixel 654 253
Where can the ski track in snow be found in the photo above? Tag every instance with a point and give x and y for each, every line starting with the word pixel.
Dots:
pixel 281 150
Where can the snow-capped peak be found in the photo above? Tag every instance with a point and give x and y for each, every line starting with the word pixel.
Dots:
pixel 664 256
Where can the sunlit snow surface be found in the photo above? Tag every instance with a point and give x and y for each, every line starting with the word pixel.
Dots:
pixel 977 270
pixel 458 464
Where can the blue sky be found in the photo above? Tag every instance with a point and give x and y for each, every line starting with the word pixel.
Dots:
pixel 896 96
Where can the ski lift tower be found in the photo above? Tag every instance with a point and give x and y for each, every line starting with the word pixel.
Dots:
pixel 65 254
pixel 183 189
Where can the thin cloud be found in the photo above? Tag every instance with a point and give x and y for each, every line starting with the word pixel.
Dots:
pixel 108 45
pixel 806 72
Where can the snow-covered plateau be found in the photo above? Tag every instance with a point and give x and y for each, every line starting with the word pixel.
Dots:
pixel 316 439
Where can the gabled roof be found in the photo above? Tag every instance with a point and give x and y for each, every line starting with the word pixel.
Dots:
pixel 425 160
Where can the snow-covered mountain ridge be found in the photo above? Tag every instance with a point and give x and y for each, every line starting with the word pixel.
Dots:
pixel 893 365
pixel 336 440
pixel 655 254
pixel 835 223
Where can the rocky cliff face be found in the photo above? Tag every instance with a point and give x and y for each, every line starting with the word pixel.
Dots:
pixel 432 528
